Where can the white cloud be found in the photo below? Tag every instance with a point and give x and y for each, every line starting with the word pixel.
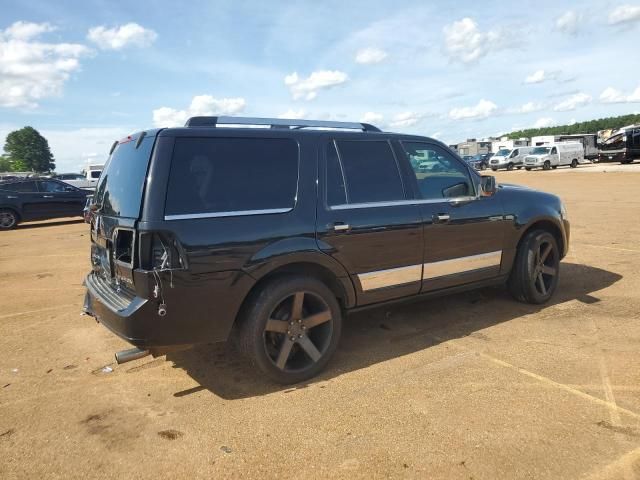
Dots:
pixel 293 114
pixel 612 95
pixel 538 76
pixel 573 102
pixel 569 22
pixel 27 30
pixel 201 105
pixel 405 119
pixel 117 38
pixel 372 117
pixel 544 122
pixel 308 88
pixel 464 42
pixel 483 109
pixel 530 107
pixel 368 56
pixel 624 14
pixel 31 70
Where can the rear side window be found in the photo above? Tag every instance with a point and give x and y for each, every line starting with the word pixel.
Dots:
pixel 362 172
pixel 20 187
pixel 231 176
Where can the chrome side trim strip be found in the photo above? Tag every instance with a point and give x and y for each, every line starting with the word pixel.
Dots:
pixel 237 213
pixel 390 278
pixel 461 265
pixel 349 206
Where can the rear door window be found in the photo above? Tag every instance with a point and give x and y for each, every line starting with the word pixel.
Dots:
pixel 232 176
pixel 362 172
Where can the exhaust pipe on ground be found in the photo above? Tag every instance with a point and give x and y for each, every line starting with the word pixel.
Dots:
pixel 125 356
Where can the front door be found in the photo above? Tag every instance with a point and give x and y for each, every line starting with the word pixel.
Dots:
pixel 463 231
pixel 367 221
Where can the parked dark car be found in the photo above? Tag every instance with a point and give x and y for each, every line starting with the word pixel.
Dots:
pixel 479 161
pixel 23 200
pixel 270 235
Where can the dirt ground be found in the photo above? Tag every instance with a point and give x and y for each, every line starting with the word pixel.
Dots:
pixel 474 386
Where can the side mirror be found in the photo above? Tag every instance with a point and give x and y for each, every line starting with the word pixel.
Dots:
pixel 488 185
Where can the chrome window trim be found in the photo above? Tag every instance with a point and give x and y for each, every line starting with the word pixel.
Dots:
pixel 349 206
pixel 454 266
pixel 391 277
pixel 235 213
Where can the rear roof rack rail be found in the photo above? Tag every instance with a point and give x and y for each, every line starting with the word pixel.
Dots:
pixel 278 123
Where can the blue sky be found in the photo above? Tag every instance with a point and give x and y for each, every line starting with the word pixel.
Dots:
pixel 87 72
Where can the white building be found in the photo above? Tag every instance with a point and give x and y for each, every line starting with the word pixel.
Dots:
pixel 504 142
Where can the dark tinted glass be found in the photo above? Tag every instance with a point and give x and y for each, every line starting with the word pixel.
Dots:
pixel 119 191
pixel 336 190
pixel 216 175
pixel 370 171
pixel 50 186
pixel 438 173
pixel 20 187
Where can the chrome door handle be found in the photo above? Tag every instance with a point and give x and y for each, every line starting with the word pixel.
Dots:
pixel 441 218
pixel 47 196
pixel 341 227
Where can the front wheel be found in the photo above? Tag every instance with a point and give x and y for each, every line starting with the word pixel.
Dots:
pixel 290 328
pixel 547 165
pixel 574 163
pixel 510 167
pixel 8 219
pixel 535 272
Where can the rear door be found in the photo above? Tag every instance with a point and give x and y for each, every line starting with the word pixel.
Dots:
pixel 463 232
pixel 367 220
pixel 62 199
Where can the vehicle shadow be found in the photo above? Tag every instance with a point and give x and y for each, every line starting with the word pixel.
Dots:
pixel 387 332
pixel 57 223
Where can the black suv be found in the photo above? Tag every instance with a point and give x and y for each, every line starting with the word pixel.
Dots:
pixel 269 230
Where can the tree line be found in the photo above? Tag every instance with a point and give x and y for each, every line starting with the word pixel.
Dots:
pixel 25 150
pixel 591 126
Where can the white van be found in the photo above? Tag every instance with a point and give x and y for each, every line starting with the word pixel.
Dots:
pixel 509 158
pixel 555 155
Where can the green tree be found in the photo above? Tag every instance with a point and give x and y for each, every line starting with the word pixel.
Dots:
pixel 590 126
pixel 28 150
pixel 5 164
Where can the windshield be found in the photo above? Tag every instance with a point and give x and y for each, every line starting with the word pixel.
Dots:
pixel 540 150
pixel 119 190
pixel 503 152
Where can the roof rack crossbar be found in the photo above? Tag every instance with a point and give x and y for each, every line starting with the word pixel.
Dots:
pixel 284 123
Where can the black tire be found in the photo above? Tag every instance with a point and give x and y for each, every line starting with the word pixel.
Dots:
pixel 285 348
pixel 574 163
pixel 494 169
pixel 547 165
pixel 536 269
pixel 483 166
pixel 510 166
pixel 8 219
pixel 519 167
pixel 554 167
pixel 528 169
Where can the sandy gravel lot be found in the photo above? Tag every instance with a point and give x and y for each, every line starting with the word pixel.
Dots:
pixel 474 386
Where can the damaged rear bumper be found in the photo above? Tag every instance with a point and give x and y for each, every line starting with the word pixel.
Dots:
pixel 198 309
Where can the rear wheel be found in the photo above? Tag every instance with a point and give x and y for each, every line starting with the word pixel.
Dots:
pixel 494 169
pixel 574 163
pixel 290 328
pixel 519 167
pixel 535 272
pixel 510 166
pixel 528 169
pixel 554 167
pixel 8 219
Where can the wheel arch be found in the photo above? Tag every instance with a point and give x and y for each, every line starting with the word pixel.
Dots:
pixel 14 210
pixel 548 224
